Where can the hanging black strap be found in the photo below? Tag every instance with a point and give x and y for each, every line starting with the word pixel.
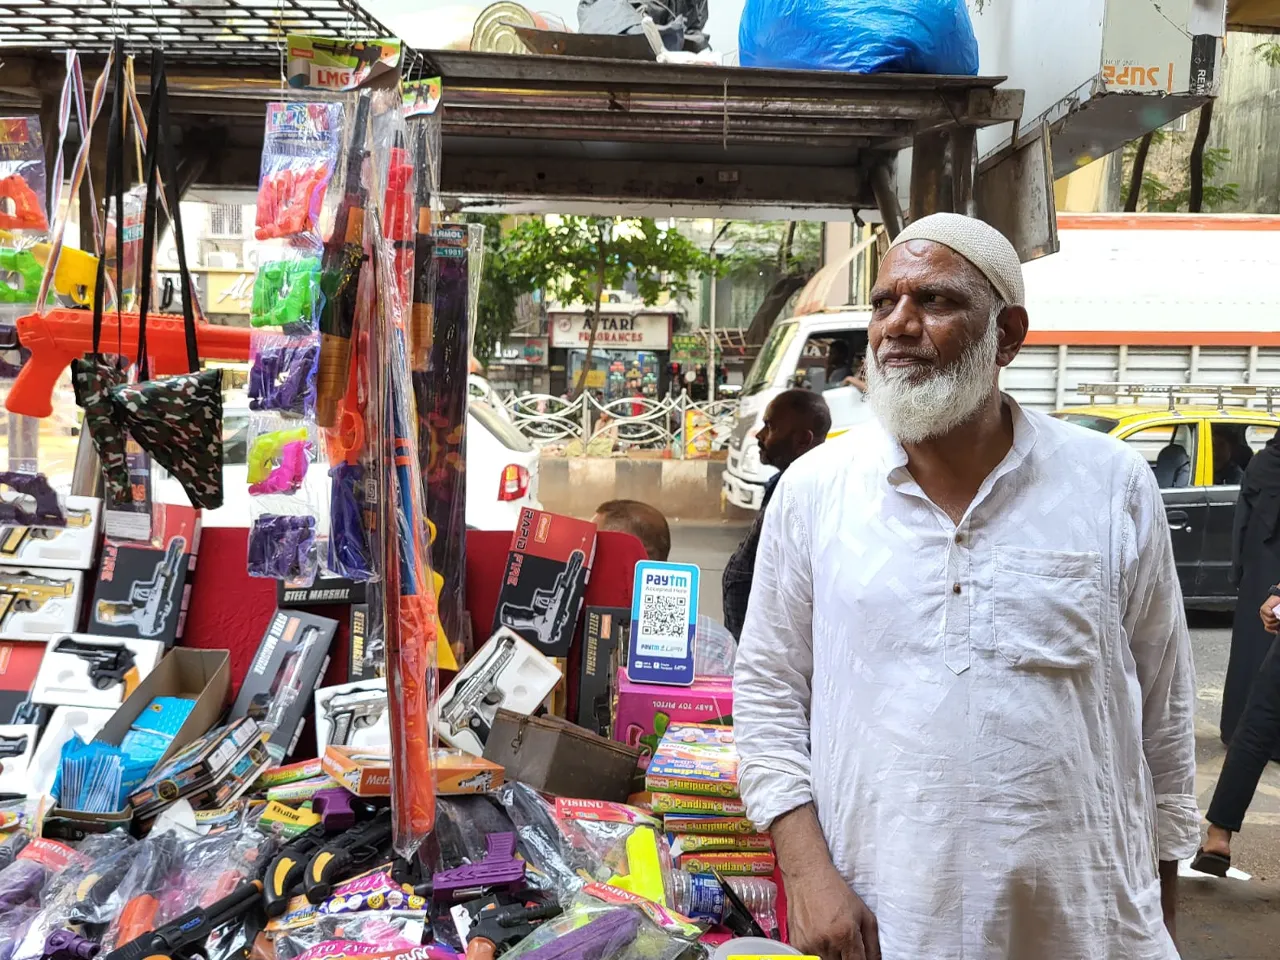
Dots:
pixel 114 188
pixel 161 166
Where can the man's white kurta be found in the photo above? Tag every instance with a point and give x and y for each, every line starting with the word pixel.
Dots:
pixel 993 719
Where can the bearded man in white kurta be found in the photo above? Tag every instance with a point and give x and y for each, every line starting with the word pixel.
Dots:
pixel 964 691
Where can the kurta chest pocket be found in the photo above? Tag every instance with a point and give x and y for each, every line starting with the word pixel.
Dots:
pixel 1048 608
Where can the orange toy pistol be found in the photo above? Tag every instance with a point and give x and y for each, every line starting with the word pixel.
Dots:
pixel 28 209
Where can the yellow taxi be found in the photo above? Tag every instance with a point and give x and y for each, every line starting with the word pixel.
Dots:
pixel 1198 452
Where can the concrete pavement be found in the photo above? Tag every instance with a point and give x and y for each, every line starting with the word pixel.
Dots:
pixel 1218 919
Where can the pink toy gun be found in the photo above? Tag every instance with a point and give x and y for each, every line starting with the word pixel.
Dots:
pixel 287 477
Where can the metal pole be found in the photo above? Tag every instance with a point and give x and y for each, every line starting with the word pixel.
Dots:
pixel 711 338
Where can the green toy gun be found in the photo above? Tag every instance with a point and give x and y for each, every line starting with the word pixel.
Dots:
pixel 23 265
pixel 286 292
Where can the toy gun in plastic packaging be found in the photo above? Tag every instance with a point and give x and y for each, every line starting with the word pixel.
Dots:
pixel 342 857
pixel 28 592
pixel 13 746
pixel 26 271
pixel 150 601
pixel 463 709
pixel 157 858
pixel 603 937
pixel 269 708
pixel 339 811
pixel 182 938
pixel 500 871
pixel 28 208
pixel 353 710
pixel 285 293
pixel 72 277
pixel 340 270
pixel 66 945
pixel 109 664
pixel 497 928
pixel 551 608
pixel 63 335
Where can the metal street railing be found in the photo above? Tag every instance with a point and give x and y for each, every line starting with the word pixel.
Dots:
pixel 587 426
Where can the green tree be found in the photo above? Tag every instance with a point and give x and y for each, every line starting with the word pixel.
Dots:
pixel 577 258
pixel 1156 196
pixel 502 284
pixel 786 251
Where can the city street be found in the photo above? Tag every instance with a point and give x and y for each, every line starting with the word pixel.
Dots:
pixel 1218 918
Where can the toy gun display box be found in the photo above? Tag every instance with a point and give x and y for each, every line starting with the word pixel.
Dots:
pixel 143 588
pixel 71 544
pixel 211 772
pixel 605 634
pixel 35 602
pixel 367 773
pixel 324 590
pixel 557 757
pixel 82 670
pixel 17 746
pixel 546 579
pixel 19 665
pixel 277 690
pixel 506 672
pixel 353 715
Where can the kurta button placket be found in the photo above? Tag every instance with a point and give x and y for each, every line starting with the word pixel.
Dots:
pixel 955 644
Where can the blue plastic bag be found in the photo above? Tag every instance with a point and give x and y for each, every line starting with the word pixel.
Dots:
pixel 859 36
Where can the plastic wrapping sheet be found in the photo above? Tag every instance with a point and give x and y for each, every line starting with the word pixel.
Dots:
pixel 592 927
pixel 374 931
pixel 24 223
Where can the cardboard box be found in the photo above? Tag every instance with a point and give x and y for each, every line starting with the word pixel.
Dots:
pixel 507 672
pixel 72 547
pixel 144 588
pixel 285 672
pixel 35 602
pixel 605 631
pixel 694 758
pixel 82 670
pixel 367 773
pixel 645 710
pixel 19 665
pixel 546 579
pixel 17 747
pixel 353 715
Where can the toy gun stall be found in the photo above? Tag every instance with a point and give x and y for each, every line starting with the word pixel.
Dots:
pixel 28 592
pixel 463 709
pixel 351 711
pixel 150 601
pixel 551 608
pixel 109 664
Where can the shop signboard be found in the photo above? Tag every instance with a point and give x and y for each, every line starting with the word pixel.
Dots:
pixel 690 348
pixel 619 331
pixel 664 618
pixel 527 353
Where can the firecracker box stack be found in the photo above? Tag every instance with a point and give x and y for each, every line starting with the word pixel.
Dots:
pixel 692 781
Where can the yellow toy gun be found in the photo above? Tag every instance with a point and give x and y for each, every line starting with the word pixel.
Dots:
pixel 28 592
pixel 73 279
pixel 267 448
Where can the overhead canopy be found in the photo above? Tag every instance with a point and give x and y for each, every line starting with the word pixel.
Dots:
pixel 1253 15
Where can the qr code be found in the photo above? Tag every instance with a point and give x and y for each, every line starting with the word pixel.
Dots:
pixel 664 615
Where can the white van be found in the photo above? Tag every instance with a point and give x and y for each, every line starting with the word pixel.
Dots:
pixel 795 355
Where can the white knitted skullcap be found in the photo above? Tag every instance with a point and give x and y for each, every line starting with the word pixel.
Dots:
pixel 978 242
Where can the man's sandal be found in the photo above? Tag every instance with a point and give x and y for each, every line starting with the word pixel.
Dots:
pixel 1214 864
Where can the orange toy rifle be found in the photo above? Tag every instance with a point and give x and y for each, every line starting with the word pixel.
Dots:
pixel 28 211
pixel 62 335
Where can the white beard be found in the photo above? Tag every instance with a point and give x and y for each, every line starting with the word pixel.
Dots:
pixel 915 409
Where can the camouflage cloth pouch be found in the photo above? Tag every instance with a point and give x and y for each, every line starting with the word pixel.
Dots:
pixel 93 378
pixel 178 420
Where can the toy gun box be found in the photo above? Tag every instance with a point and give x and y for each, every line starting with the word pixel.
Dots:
pixel 144 588
pixel 605 632
pixel 546 579
pixel 35 602
pixel 353 715
pixel 82 670
pixel 277 691
pixel 644 711
pixel 19 665
pixel 325 590
pixel 196 771
pixel 72 546
pixel 507 672
pixel 17 746
pixel 367 773
pixel 557 757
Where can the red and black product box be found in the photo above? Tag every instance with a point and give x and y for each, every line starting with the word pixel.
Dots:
pixel 277 690
pixel 325 590
pixel 19 664
pixel 546 579
pixel 368 659
pixel 144 587
pixel 605 632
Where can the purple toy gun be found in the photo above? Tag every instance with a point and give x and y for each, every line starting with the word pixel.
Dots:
pixel 598 940
pixel 65 945
pixel 500 870
pixel 47 513
pixel 21 882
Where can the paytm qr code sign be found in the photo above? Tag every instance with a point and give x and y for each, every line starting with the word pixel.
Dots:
pixel 664 617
